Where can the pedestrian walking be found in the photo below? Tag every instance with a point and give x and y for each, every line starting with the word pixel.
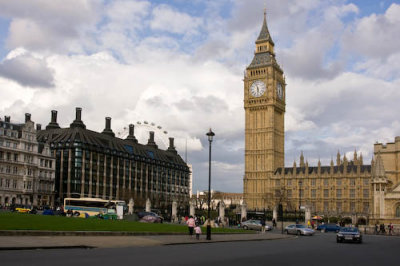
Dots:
pixel 382 229
pixel 376 229
pixel 262 226
pixel 274 222
pixel 191 223
pixel 390 229
pixel 197 230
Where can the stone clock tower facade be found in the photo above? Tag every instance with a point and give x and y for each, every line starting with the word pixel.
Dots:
pixel 264 105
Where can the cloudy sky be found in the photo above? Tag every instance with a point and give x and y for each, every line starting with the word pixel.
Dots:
pixel 179 64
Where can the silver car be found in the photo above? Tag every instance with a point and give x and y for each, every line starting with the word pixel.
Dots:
pixel 299 229
pixel 254 225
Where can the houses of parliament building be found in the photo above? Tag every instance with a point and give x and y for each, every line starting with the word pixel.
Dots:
pixel 347 187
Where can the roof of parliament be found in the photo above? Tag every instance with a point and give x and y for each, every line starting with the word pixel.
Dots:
pixel 106 141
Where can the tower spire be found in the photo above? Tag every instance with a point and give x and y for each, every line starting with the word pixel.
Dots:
pixel 264 33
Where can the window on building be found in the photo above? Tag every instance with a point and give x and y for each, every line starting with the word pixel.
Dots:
pixel 289 182
pixel 313 206
pixel 14 183
pixel 338 193
pixel 313 193
pixel 339 182
pixel 352 182
pixel 398 211
pixel 326 182
pixel 366 207
pixel 289 193
pixel 365 181
pixel 313 182
pixel 7 183
pixel 339 207
pixel 301 193
pixel 366 193
pixel 352 206
pixel 15 170
pixel 277 183
pixel 326 206
pixel 15 157
pixel 326 193
pixel 352 193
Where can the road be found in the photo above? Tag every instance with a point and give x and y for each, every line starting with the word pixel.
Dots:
pixel 320 249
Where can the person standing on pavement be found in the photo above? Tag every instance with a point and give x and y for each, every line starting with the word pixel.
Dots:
pixel 191 223
pixel 274 222
pixel 197 230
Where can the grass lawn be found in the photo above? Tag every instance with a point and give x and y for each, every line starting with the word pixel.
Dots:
pixel 21 221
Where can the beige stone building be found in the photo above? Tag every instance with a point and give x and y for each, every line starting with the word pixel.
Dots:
pixel 26 165
pixel 345 188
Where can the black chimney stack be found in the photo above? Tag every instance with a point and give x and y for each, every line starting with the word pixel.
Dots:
pixel 108 130
pixel 7 118
pixel 27 117
pixel 171 147
pixel 151 141
pixel 53 124
pixel 131 135
pixel 38 127
pixel 78 119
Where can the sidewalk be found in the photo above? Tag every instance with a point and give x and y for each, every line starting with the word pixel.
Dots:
pixel 52 242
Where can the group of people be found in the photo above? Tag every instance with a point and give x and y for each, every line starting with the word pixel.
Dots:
pixel 381 229
pixel 193 226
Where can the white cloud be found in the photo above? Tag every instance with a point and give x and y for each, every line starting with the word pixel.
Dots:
pixel 165 18
pixel 49 25
pixel 375 35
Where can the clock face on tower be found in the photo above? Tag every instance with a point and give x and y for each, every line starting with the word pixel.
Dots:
pixel 258 88
pixel 279 90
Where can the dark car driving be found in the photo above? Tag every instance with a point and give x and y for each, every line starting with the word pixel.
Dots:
pixel 351 234
pixel 328 228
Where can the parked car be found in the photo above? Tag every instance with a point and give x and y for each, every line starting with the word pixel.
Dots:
pixel 150 217
pixel 22 209
pixel 351 234
pixel 328 228
pixel 299 229
pixel 254 225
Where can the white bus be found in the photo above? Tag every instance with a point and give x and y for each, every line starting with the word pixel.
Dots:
pixel 93 206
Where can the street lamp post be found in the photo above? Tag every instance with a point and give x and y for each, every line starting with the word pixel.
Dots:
pixel 210 136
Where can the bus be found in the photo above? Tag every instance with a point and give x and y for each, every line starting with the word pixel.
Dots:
pixel 93 206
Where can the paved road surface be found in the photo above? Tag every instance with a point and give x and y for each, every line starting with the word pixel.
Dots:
pixel 320 250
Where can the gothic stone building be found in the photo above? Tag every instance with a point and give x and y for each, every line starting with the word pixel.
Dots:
pixel 345 188
pixel 100 165
pixel 26 165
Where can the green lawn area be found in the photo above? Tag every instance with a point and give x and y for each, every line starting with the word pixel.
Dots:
pixel 20 221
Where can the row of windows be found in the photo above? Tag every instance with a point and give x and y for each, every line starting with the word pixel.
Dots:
pixel 8 144
pixel 11 183
pixel 326 182
pixel 326 193
pixel 340 206
pixel 9 133
pixel 46 163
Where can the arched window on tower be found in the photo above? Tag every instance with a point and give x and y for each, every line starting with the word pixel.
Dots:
pixel 398 211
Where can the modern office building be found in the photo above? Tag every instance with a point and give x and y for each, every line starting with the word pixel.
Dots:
pixel 100 165
pixel 26 166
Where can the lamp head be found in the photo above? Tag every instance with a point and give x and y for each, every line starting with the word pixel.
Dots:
pixel 210 135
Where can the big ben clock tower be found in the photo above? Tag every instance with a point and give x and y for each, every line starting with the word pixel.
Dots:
pixel 264 105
